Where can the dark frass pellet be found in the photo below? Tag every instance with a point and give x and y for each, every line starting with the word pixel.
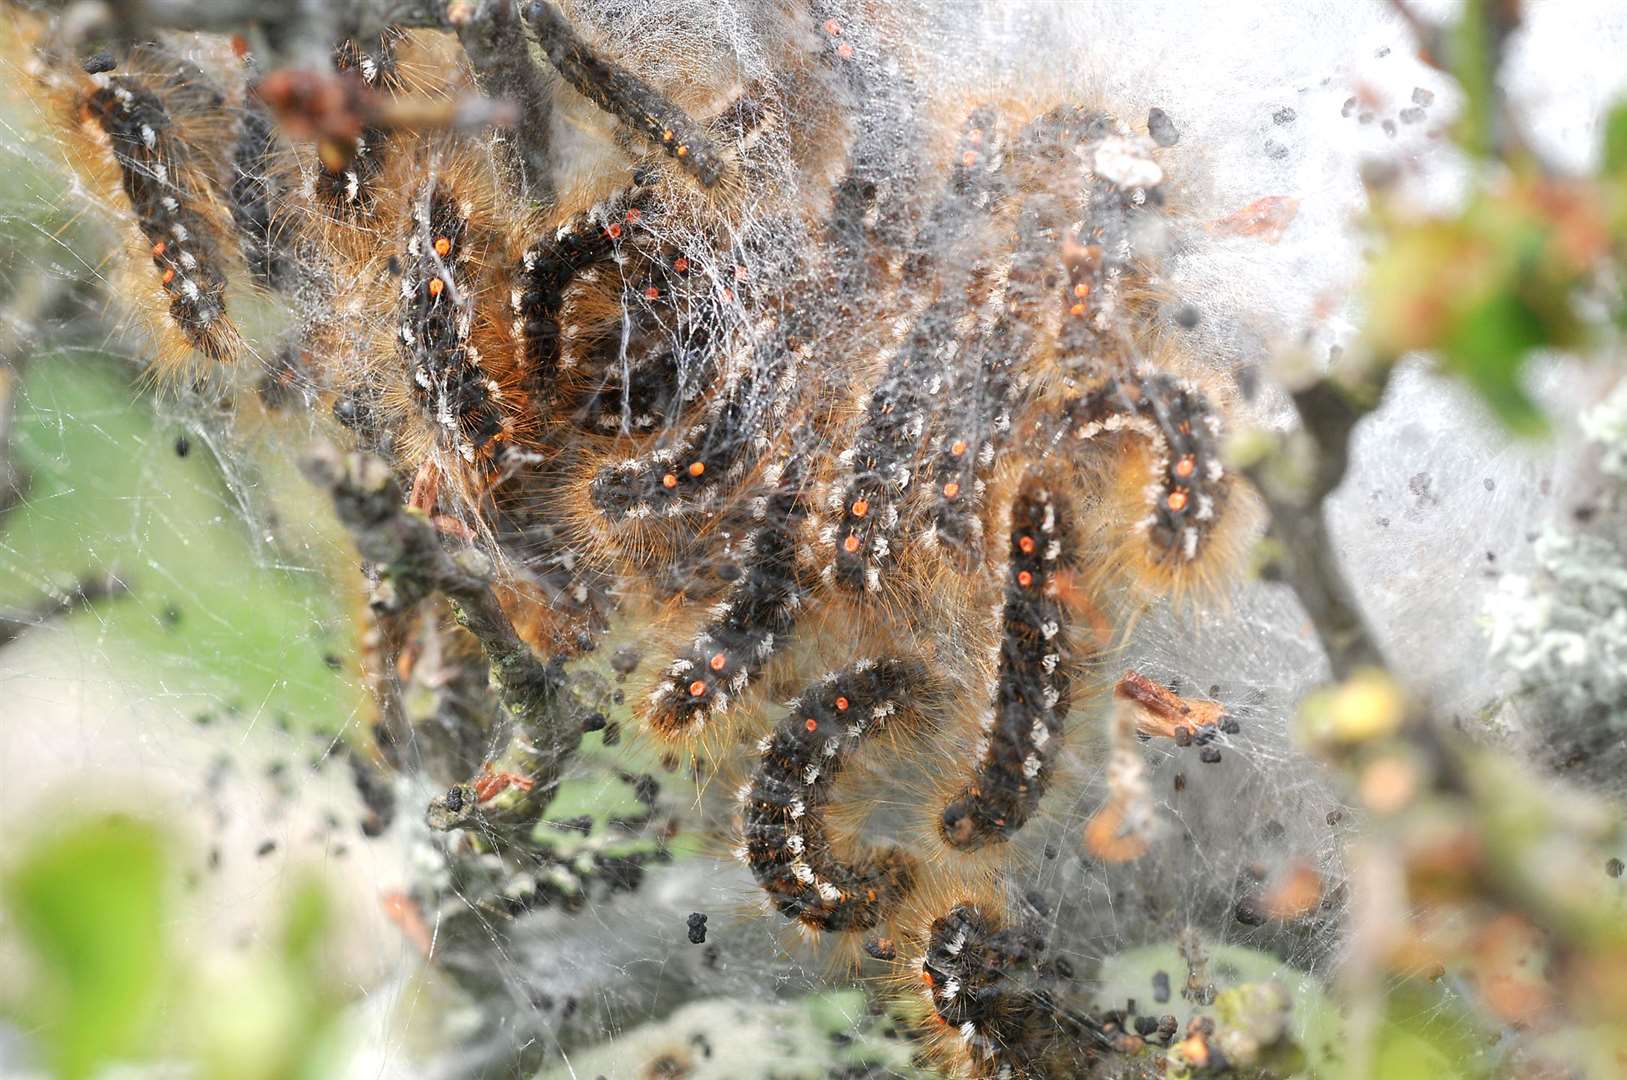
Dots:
pixel 183 446
pixel 1614 868
pixel 697 928
pixel 1160 986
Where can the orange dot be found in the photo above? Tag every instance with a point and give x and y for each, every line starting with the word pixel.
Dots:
pixel 717 662
pixel 739 273
pixel 969 158
pixel 633 214
pixel 841 704
pixel 442 246
pixel 975 136
pixel 1081 290
pixel 696 468
pixel 832 27
pixel 728 295
pixel 169 275
pixel 1025 544
pixel 1177 500
pixel 870 895
pixel 845 51
pixel 851 544
pixel 680 264
pixel 436 285
pixel 951 489
pixel 159 248
pixel 652 293
pixel 697 688
pixel 861 507
pixel 1077 309
pixel 683 151
pixel 958 448
pixel 1184 467
pixel 614 229
pixel 811 724
pixel 669 481
pixel 1025 579
pixel 666 136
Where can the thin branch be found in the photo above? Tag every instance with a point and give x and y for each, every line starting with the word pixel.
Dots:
pixel 500 54
pixel 87 590
pixel 1329 412
pixel 544 712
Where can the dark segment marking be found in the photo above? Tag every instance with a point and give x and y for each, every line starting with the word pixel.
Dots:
pixel 625 96
pixel 437 314
pixel 1024 728
pixel 346 175
pixel 787 845
pixel 1189 494
pixel 185 245
pixel 751 623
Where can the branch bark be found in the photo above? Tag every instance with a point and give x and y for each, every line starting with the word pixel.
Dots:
pixel 545 716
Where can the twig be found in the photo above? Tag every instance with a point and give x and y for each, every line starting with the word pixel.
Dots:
pixel 546 717
pixel 500 53
pixel 1329 412
pixel 85 591
pixel 301 32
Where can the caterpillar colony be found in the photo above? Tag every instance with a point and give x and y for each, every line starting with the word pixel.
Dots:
pixel 845 396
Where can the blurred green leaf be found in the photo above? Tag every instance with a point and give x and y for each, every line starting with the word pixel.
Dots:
pixel 1615 142
pixel 89 904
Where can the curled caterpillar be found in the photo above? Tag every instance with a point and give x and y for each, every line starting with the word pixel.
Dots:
pixel 787 842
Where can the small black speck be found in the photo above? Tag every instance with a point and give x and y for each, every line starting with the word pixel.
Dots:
pixel 1160 987
pixel 881 949
pixel 1186 316
pixel 1275 150
pixel 625 659
pixel 171 615
pixel 266 848
pixel 1384 523
pixel 1284 115
pixel 1585 513
pixel 1050 851
pixel 183 446
pixel 1491 556
pixel 100 62
pixel 697 928
pixel 1230 725
pixel 1614 868
pixel 594 722
pixel 1162 128
pixel 1063 968
pixel 1491 485
pixel 1335 816
pixel 393 265
pixel 1348 108
pixel 1411 116
pixel 1420 96
pixel 1037 901
pixel 1180 781
pixel 1383 52
pixel 1209 755
pixel 333 662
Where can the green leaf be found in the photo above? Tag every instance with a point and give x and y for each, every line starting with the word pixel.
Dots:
pixel 89 904
pixel 1615 142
